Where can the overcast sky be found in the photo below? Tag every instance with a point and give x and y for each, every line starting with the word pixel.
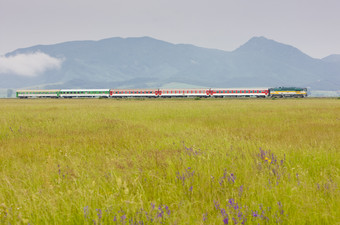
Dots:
pixel 313 26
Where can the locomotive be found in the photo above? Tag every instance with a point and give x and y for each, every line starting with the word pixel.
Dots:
pixel 165 93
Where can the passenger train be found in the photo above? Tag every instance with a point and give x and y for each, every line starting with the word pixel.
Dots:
pixel 165 93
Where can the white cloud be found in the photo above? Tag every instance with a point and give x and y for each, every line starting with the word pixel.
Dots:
pixel 29 65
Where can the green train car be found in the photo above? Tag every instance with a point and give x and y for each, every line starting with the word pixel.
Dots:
pixel 288 92
pixel 38 93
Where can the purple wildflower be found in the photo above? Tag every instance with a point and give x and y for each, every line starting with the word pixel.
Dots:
pixel 160 212
pixel 255 214
pixel 123 217
pixel 225 220
pixel 280 208
pixel 167 210
pixel 85 211
pixel 239 215
pixel 99 214
pixel 217 205
pixel 231 202
pixel 240 192
pixel 205 217
pixel 223 213
pixel 232 178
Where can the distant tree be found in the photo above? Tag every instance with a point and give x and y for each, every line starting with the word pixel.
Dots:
pixel 9 93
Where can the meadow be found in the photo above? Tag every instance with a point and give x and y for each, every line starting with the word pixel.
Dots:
pixel 212 161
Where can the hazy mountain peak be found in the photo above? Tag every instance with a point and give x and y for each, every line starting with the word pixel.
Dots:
pixel 261 46
pixel 258 43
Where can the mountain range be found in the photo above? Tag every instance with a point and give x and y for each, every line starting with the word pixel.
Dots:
pixel 145 62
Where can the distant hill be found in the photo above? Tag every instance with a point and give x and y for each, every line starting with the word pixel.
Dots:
pixel 335 58
pixel 147 62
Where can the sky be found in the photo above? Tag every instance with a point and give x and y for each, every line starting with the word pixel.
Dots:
pixel 313 26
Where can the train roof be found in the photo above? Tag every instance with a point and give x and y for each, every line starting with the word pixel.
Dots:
pixel 251 88
pixel 84 90
pixel 38 90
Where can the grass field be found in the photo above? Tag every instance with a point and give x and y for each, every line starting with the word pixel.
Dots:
pixel 105 161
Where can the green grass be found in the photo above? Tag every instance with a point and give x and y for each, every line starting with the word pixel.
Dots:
pixel 105 161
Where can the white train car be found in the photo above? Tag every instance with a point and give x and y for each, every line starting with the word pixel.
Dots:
pixel 240 92
pixel 125 93
pixel 194 92
pixel 84 93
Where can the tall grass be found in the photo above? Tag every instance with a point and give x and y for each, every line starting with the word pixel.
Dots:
pixel 97 161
